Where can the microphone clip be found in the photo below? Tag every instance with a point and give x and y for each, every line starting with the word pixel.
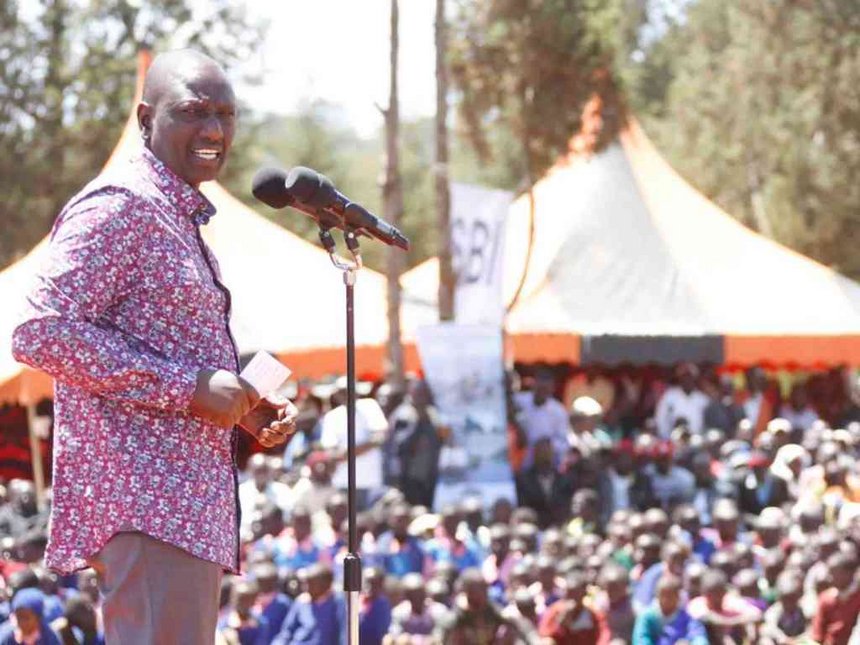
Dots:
pixel 348 266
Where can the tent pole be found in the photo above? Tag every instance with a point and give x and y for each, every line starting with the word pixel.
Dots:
pixel 36 457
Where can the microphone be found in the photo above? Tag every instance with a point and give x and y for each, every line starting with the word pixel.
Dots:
pixel 314 194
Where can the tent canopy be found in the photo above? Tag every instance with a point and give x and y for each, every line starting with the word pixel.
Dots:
pixel 631 264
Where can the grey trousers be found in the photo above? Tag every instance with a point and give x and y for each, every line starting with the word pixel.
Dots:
pixel 155 593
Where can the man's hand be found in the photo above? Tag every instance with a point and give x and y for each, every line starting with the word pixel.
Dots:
pixel 271 422
pixel 222 397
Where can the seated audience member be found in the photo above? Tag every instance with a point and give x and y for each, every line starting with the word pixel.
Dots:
pixel 242 624
pixel 26 625
pixel 839 606
pixel 418 614
pixel 314 488
pixel 271 603
pixel 667 621
pixel 474 619
pixel 672 484
pixel 542 487
pixel 374 616
pixel 296 547
pixel 448 546
pixel 399 553
pixel 79 624
pixel 571 620
pixel 723 612
pixel 673 558
pixel 616 603
pixel 785 619
pixel 318 615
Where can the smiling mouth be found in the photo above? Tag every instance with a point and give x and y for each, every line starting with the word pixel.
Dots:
pixel 207 154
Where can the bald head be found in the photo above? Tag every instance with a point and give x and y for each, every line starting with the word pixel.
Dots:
pixel 187 115
pixel 179 64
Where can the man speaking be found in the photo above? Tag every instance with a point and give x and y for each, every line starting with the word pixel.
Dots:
pixel 130 317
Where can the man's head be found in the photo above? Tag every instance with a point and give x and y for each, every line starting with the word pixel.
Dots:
pixel 669 594
pixel 243 597
pixel 374 581
pixel 575 587
pixel 258 465
pixel 318 579
pixel 726 518
pixel 615 581
pixel 474 588
pixel 187 115
pixel 413 590
pixel 419 394
pixel 544 385
pixel 399 518
pixel 28 607
pixel 265 575
pixel 714 584
pixel 841 569
pixel 688 375
pixel 301 522
pixel 500 540
pixel 585 414
pixel 81 613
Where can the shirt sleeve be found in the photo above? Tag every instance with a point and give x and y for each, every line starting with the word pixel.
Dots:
pixel 90 266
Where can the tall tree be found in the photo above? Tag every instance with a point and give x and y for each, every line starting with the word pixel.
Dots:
pixel 760 109
pixel 443 198
pixel 392 205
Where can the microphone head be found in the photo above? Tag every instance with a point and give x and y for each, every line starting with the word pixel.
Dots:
pixel 269 187
pixel 310 187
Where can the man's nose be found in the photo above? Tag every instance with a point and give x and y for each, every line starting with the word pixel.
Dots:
pixel 212 128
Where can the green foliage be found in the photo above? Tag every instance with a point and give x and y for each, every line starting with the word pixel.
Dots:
pixel 530 66
pixel 67 75
pixel 757 102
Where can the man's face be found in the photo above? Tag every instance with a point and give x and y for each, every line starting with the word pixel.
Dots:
pixel 28 622
pixel 669 599
pixel 476 595
pixel 191 125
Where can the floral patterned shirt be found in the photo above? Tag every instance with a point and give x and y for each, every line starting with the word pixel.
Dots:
pixel 127 309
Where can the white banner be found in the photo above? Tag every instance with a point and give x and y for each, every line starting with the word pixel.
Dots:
pixel 463 366
pixel 477 247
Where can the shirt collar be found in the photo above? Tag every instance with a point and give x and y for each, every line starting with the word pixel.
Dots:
pixel 188 200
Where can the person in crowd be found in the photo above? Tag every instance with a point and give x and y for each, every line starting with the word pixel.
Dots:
pixel 271 603
pixel 374 617
pixel 622 486
pixel 297 547
pixel 723 611
pixel 586 436
pixel 418 614
pixel 798 411
pixel 318 615
pixel 242 624
pixel 416 433
pixel 785 619
pixel 314 488
pixel 542 416
pixel 26 625
pixel 262 487
pixel 371 427
pixel 616 603
pixel 683 402
pixel 672 484
pixel 666 621
pixel 449 546
pixel 79 624
pixel 839 605
pixel 398 552
pixel 543 487
pixel 570 621
pixel 673 559
pixel 475 620
pixel 759 404
pixel 760 488
pixel 722 412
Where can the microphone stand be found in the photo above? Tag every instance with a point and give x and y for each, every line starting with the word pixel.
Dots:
pixel 352 562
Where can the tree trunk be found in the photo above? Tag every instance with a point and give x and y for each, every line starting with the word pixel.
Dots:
pixel 392 199
pixel 447 279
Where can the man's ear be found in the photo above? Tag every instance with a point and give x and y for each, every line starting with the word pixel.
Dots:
pixel 144 119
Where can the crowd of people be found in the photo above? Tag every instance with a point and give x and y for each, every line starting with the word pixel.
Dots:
pixel 705 509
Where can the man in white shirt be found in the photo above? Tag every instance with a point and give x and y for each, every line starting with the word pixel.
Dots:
pixel 262 488
pixel 370 428
pixel 542 416
pixel 683 401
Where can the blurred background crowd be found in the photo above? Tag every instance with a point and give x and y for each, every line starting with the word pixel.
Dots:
pixel 651 507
